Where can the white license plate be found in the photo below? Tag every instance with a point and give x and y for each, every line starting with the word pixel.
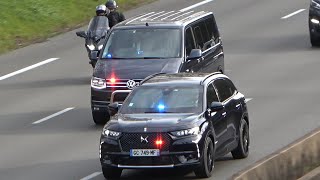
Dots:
pixel 144 152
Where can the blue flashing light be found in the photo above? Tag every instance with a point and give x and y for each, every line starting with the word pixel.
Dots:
pixel 161 107
pixel 109 56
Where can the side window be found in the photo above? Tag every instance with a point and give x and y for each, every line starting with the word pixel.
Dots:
pixel 212 28
pixel 211 95
pixel 198 36
pixel 202 36
pixel 223 89
pixel 232 88
pixel 189 41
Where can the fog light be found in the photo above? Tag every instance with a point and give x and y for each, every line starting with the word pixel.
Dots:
pixel 182 159
pixel 315 21
pixel 96 109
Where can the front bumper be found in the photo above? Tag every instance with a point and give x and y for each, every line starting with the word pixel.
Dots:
pixel 180 153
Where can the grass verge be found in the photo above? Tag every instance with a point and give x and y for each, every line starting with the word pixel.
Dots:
pixel 24 22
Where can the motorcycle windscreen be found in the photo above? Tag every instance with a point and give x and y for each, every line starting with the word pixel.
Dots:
pixel 98 27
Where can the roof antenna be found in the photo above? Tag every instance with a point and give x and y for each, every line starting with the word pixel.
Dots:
pixel 147 24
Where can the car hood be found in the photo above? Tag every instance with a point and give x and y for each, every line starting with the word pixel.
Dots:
pixel 134 68
pixel 154 122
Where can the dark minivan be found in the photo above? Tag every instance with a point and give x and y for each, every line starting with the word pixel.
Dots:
pixel 314 22
pixel 168 42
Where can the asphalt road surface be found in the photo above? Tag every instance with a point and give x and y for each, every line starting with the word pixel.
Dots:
pixel 46 128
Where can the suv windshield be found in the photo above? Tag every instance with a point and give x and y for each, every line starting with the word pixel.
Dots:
pixel 143 43
pixel 164 99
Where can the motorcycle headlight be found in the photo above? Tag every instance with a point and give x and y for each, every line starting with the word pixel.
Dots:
pixel 187 132
pixel 108 133
pixel 315 4
pixel 100 47
pixel 91 46
pixel 98 83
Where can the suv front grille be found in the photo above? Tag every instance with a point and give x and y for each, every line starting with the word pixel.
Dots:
pixel 121 84
pixel 134 141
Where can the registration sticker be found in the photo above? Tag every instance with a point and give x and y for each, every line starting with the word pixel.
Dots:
pixel 144 152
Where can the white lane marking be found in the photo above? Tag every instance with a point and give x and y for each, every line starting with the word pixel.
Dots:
pixel 28 68
pixel 292 14
pixel 195 5
pixel 248 99
pixel 53 115
pixel 91 176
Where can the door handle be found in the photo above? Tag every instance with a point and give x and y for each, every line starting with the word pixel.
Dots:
pixel 224 114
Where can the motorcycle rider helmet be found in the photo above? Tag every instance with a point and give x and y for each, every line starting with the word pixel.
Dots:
pixel 102 10
pixel 111 4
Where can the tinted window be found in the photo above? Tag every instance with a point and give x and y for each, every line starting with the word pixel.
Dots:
pixel 164 99
pixel 189 42
pixel 232 88
pixel 212 28
pixel 198 37
pixel 202 36
pixel 223 89
pixel 143 43
pixel 211 95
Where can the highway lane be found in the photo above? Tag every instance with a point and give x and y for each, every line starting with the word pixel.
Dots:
pixel 269 58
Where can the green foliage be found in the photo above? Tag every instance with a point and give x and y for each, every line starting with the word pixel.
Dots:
pixel 25 21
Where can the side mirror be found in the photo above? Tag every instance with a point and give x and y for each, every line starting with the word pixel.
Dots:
pixel 81 34
pixel 113 108
pixel 195 54
pixel 216 106
pixel 94 55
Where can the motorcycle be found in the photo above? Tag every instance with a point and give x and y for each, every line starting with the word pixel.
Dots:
pixel 95 36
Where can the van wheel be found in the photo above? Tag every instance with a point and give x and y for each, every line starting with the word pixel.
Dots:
pixel 100 118
pixel 242 150
pixel 206 166
pixel 111 173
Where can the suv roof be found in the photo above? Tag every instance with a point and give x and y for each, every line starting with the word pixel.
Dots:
pixel 180 78
pixel 164 18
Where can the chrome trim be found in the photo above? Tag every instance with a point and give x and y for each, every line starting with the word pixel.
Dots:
pixel 144 167
pixel 216 56
pixel 216 45
pixel 117 86
pixel 118 91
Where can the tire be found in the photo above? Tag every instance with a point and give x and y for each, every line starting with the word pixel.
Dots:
pixel 111 173
pixel 242 151
pixel 206 166
pixel 100 118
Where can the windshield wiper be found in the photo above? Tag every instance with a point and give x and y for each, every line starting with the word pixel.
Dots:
pixel 153 58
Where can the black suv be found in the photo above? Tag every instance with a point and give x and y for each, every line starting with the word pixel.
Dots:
pixel 176 120
pixel 169 42
pixel 314 22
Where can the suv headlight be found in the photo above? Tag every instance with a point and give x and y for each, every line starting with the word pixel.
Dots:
pixel 98 83
pixel 100 47
pixel 187 132
pixel 108 133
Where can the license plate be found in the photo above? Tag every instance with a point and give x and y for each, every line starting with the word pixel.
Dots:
pixel 144 152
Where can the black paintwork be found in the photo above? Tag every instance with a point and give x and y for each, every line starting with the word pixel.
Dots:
pixel 314 29
pixel 222 126
pixel 212 59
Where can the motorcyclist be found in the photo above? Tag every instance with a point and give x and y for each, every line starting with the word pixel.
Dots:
pixel 102 10
pixel 114 16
